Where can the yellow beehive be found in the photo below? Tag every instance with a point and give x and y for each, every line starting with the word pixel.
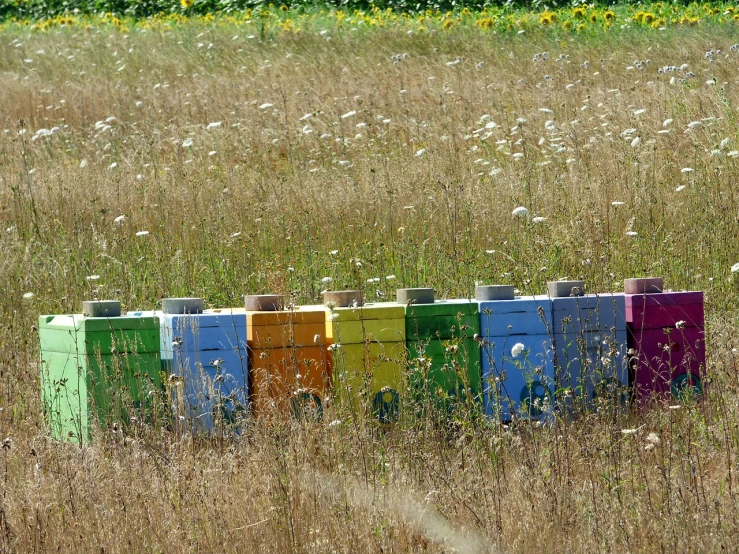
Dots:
pixel 368 350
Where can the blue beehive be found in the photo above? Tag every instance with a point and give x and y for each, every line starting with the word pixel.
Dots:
pixel 589 341
pixel 204 354
pixel 517 354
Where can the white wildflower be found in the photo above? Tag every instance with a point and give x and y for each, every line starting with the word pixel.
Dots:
pixel 517 349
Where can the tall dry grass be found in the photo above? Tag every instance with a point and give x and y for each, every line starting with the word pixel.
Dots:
pixel 422 193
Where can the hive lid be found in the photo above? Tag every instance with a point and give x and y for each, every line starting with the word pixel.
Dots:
pixel 101 308
pixel 182 305
pixel 264 302
pixel 415 296
pixel 647 285
pixel 343 298
pixel 495 292
pixel 564 289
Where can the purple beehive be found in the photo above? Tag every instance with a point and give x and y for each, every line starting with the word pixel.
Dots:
pixel 666 334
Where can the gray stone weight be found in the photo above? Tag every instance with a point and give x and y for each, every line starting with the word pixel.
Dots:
pixel 645 285
pixel 563 289
pixel 264 302
pixel 101 308
pixel 415 296
pixel 182 305
pixel 343 298
pixel 495 292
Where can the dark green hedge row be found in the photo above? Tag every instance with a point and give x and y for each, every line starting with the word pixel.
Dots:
pixel 44 9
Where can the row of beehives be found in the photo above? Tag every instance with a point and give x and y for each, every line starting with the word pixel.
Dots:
pixel 510 354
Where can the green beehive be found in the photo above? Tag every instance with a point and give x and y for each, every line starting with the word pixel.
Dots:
pixel 442 349
pixel 98 364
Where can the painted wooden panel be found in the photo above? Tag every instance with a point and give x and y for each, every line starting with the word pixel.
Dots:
pixel 522 385
pixel 284 379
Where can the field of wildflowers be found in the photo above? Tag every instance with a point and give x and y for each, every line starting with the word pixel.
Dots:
pixel 192 150
pixel 297 18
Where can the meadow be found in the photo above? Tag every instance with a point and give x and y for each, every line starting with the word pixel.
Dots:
pixel 292 152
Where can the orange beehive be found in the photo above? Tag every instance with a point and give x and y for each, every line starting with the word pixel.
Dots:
pixel 289 371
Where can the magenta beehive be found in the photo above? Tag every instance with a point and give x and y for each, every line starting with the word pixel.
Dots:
pixel 666 335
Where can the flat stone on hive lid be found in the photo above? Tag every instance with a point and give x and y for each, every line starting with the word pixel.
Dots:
pixel 182 305
pixel 495 292
pixel 101 308
pixel 264 302
pixel 647 285
pixel 563 289
pixel 343 298
pixel 415 296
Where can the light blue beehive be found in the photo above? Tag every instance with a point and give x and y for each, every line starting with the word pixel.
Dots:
pixel 516 381
pixel 205 356
pixel 589 341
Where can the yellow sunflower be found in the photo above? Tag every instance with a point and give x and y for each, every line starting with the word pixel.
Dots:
pixel 547 18
pixel 486 23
